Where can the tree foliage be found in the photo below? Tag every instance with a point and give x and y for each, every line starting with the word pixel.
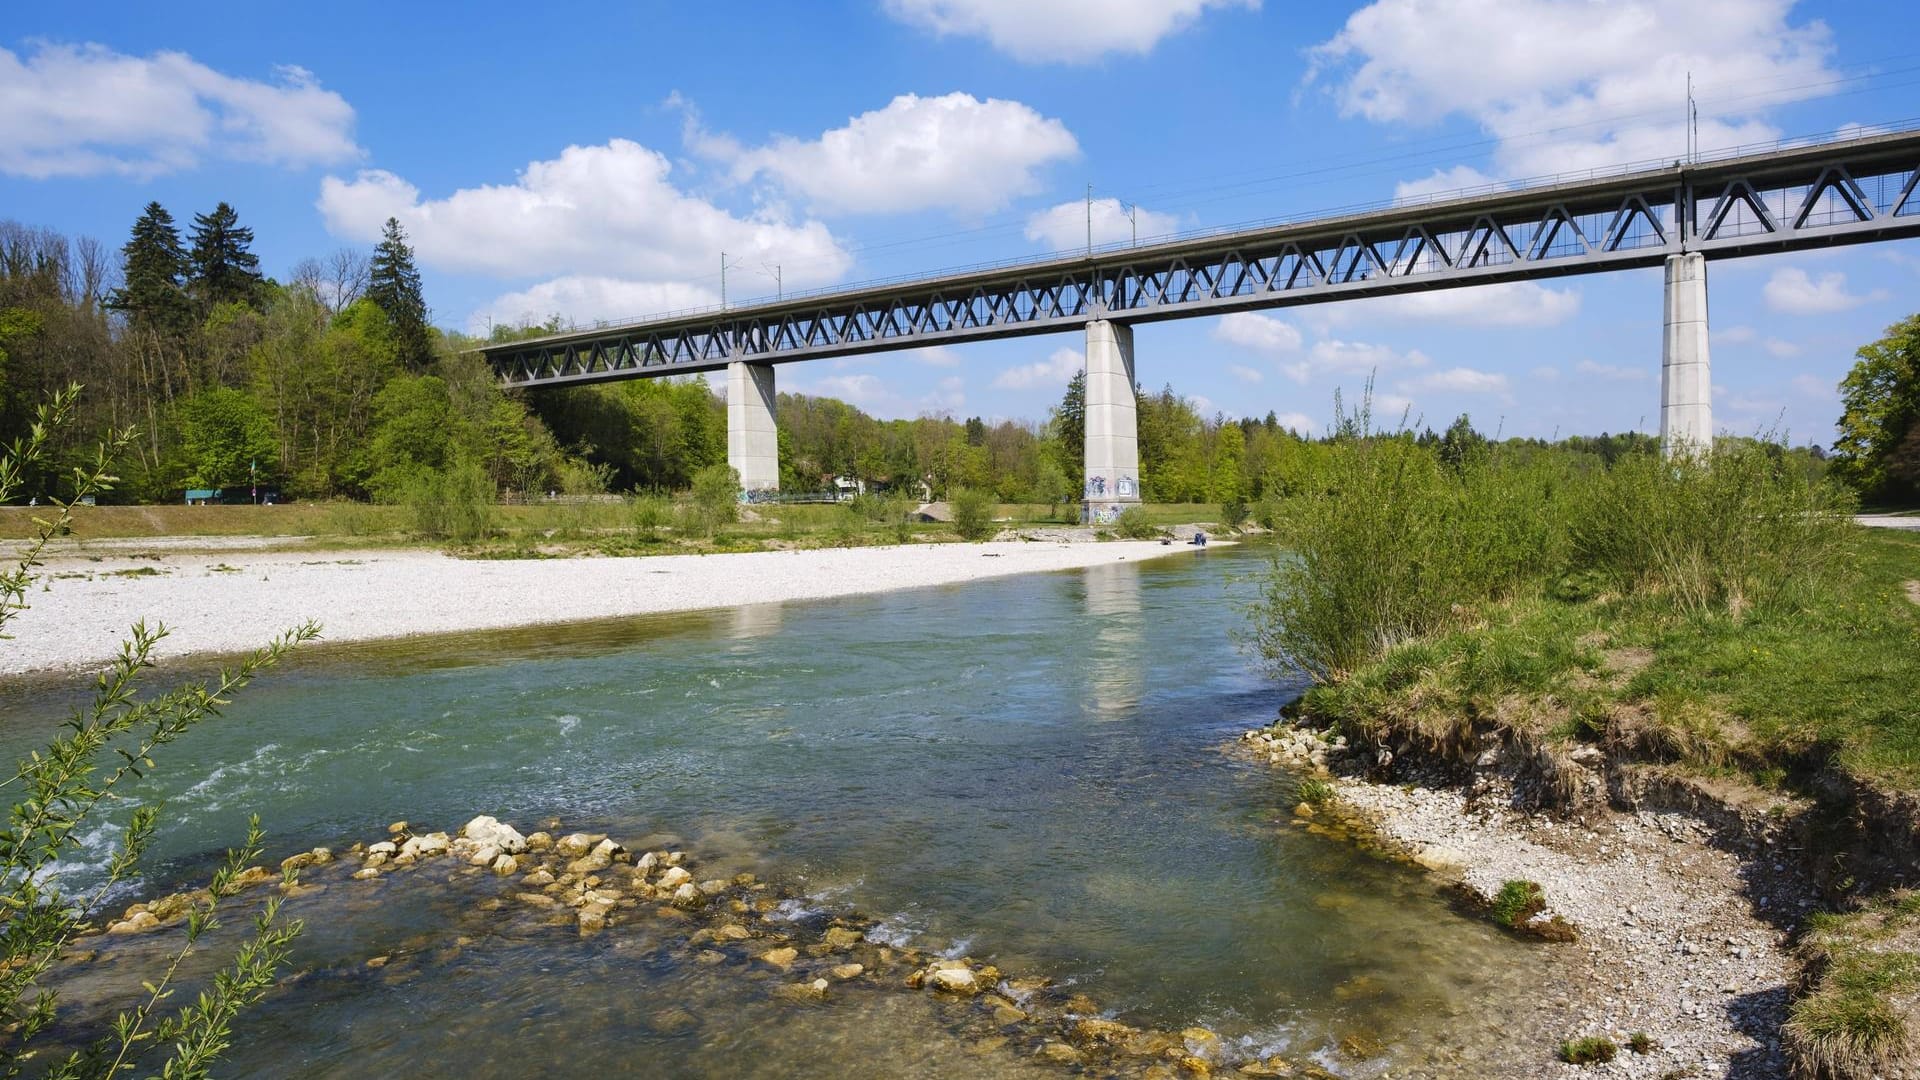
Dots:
pixel 393 284
pixel 224 268
pixel 1878 450
pixel 154 295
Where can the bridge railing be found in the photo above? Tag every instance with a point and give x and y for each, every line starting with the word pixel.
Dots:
pixel 1839 137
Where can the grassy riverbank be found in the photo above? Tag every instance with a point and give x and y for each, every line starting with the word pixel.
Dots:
pixel 1769 697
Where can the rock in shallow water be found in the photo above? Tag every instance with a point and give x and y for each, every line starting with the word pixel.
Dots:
pixel 489 831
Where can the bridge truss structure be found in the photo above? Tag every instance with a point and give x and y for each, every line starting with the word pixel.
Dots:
pixel 1794 198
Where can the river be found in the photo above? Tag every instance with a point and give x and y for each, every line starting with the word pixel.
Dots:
pixel 1026 770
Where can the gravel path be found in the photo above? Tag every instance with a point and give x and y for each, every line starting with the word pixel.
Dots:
pixel 1889 521
pixel 236 599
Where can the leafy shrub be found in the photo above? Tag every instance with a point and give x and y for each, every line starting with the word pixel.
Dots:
pixel 846 527
pixel 897 513
pixel 1266 514
pixel 1387 544
pixel 972 513
pixel 1132 524
pixel 1233 512
pixel 650 513
pixel 716 492
pixel 455 503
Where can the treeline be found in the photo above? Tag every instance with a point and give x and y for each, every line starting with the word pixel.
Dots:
pixel 331 384
pixel 335 384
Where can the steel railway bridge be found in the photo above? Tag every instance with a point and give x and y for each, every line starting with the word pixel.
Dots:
pixel 1679 215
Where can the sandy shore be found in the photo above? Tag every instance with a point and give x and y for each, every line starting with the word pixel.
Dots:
pixel 235 599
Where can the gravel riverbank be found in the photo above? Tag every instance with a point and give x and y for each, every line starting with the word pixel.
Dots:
pixel 1682 935
pixel 233 599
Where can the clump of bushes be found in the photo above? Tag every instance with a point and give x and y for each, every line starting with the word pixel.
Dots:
pixel 650 513
pixel 972 513
pixel 1589 1050
pixel 1132 524
pixel 1721 533
pixel 455 503
pixel 1641 1043
pixel 713 502
pixel 1387 542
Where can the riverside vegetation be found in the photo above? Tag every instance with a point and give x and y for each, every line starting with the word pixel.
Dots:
pixel 56 793
pixel 1717 615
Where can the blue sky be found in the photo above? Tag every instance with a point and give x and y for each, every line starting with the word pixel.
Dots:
pixel 595 160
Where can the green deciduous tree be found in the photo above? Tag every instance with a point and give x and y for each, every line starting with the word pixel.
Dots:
pixel 225 437
pixel 1878 450
pixel 393 284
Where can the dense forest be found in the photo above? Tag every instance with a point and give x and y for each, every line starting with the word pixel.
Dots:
pixel 335 384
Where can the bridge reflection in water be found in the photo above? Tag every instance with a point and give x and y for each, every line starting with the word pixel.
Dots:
pixel 1115 664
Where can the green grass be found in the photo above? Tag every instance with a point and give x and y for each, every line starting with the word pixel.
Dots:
pixel 1858 1015
pixel 1591 1050
pixel 1314 791
pixel 1763 695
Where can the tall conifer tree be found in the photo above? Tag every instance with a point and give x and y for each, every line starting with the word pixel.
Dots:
pixel 224 270
pixel 154 296
pixel 394 286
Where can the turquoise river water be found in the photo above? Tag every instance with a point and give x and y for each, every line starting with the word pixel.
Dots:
pixel 1028 771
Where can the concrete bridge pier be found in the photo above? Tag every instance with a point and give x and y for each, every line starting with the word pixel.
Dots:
pixel 1686 387
pixel 753 443
pixel 1112 481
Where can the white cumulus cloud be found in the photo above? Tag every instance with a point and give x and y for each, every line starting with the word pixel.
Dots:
pixel 605 223
pixel 1442 182
pixel 1070 31
pixel 1245 374
pixel 954 152
pixel 1352 358
pixel 1508 303
pixel 1261 333
pixel 1057 369
pixel 1814 387
pixel 1462 380
pixel 1793 292
pixel 1573 84
pixel 584 299
pixel 1064 227
pixel 85 110
pixel 1297 422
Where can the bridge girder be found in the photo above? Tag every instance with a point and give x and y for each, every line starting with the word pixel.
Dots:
pixel 1847 192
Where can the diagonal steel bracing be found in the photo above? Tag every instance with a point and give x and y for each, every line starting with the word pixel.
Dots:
pixel 1854 191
